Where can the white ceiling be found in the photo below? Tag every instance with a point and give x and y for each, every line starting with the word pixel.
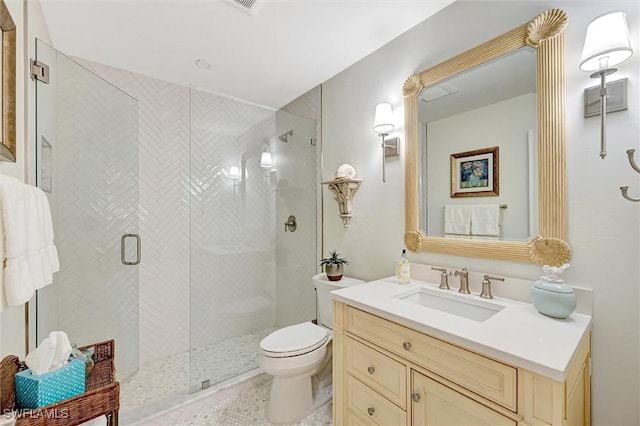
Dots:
pixel 269 57
pixel 504 78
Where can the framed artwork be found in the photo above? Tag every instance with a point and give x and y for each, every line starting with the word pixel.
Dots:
pixel 475 173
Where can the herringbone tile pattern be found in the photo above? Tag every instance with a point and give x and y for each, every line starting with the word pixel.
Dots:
pixel 164 210
pixel 96 188
pixel 209 247
pixel 232 223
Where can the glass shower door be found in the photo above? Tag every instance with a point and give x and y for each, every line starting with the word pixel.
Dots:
pixel 249 274
pixel 87 163
pixel 294 159
pixel 232 217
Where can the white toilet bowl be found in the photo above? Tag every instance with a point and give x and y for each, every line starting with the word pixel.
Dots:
pixel 293 356
pixel 299 359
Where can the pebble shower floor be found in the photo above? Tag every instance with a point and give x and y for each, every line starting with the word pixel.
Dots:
pixel 163 384
pixel 242 404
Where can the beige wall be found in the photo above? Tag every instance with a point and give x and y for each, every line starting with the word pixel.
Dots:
pixel 470 130
pixel 30 24
pixel 603 227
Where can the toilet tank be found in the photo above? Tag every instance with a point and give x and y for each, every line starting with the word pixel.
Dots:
pixel 325 303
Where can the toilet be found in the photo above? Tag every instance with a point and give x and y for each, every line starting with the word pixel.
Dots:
pixel 299 359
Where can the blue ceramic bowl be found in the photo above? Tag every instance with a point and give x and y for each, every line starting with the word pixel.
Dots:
pixel 552 299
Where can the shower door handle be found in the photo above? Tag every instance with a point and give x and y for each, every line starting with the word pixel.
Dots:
pixel 123 249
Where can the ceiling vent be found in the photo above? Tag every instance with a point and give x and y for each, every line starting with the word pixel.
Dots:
pixel 436 92
pixel 248 6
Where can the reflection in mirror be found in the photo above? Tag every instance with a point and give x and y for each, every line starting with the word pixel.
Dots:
pixel 493 104
pixel 546 245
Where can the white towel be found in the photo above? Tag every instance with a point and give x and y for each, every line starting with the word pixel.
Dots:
pixel 485 220
pixel 484 237
pixel 46 254
pixel 457 219
pixel 29 256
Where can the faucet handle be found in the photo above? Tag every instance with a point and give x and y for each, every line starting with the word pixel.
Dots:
pixel 489 278
pixel 444 279
pixel 486 286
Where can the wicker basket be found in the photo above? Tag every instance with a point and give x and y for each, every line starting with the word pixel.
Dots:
pixel 102 396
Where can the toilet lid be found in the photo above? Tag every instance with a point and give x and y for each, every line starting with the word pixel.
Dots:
pixel 299 338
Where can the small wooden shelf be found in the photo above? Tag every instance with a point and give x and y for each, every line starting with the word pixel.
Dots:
pixel 344 190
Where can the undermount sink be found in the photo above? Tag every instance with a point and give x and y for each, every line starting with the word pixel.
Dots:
pixel 472 309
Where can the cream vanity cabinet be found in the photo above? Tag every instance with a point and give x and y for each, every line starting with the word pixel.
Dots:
pixel 389 374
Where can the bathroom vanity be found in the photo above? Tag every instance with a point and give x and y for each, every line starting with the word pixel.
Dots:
pixel 414 354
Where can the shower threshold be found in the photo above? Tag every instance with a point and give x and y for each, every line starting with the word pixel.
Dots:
pixel 166 383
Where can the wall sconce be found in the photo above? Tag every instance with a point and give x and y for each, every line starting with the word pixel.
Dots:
pixel 266 162
pixel 383 124
pixel 234 174
pixel 605 45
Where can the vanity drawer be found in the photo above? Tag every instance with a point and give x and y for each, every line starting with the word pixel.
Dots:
pixel 376 370
pixel 486 377
pixel 352 419
pixel 366 403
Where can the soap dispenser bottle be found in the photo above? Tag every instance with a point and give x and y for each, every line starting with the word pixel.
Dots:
pixel 403 269
pixel 551 296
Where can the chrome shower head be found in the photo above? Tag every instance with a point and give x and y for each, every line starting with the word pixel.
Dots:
pixel 285 136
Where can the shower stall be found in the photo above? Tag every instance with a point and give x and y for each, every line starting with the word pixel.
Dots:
pixel 126 158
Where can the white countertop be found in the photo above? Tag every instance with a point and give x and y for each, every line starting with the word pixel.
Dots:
pixel 517 335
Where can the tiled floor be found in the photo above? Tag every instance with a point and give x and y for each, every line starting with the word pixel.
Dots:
pixel 158 394
pixel 162 381
pixel 242 404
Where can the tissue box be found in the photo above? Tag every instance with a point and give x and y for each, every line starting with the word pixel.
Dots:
pixel 34 391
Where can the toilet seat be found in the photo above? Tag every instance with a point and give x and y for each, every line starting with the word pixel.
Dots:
pixel 294 340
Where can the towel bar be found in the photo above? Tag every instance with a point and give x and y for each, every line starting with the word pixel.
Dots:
pixel 502 206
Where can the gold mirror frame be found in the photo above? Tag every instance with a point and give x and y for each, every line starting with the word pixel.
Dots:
pixel 545 34
pixel 8 138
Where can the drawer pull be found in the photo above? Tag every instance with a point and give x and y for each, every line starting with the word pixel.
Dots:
pixel 415 397
pixel 371 410
pixel 406 346
pixel 371 369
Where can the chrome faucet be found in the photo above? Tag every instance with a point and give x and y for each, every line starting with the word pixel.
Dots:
pixel 444 279
pixel 464 280
pixel 486 286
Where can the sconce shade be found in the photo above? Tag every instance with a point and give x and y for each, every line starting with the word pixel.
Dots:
pixel 234 172
pixel 383 122
pixel 607 39
pixel 265 160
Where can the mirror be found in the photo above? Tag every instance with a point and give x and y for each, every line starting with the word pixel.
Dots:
pixel 8 104
pixel 491 107
pixel 542 234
